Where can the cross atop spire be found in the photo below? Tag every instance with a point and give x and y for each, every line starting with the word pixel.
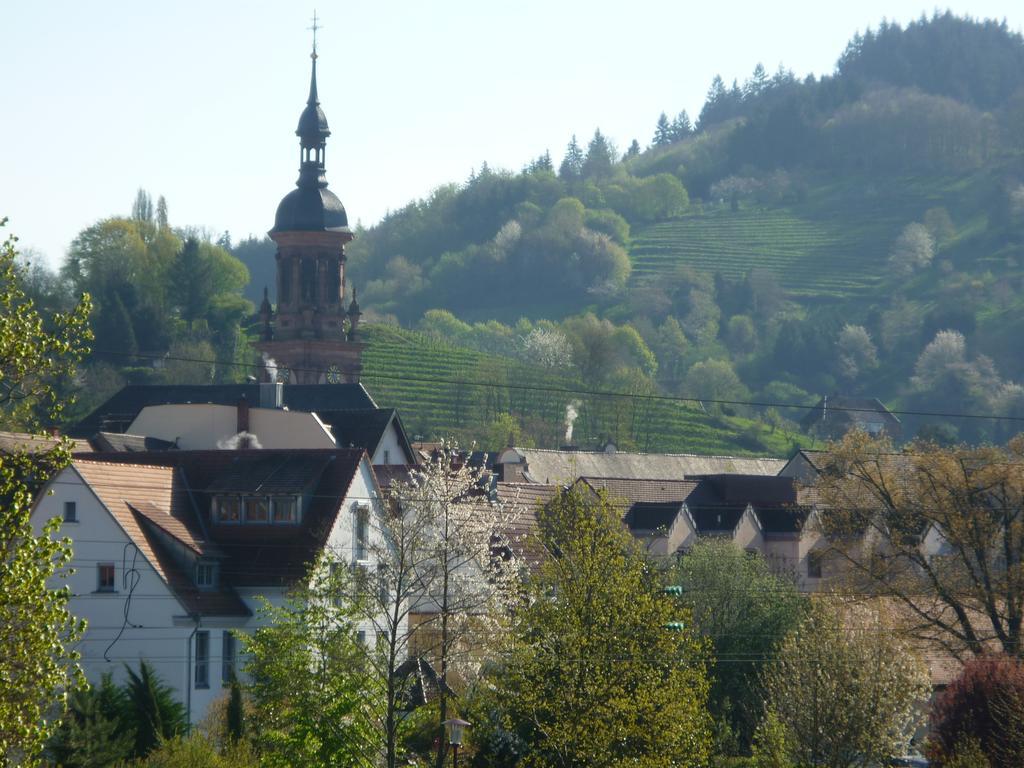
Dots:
pixel 315 27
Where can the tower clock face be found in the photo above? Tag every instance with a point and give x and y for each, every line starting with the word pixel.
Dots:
pixel 334 375
pixel 284 376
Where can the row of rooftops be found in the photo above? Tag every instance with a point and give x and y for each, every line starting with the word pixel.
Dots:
pixel 166 497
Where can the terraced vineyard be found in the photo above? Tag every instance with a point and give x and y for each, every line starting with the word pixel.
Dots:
pixel 810 257
pixel 442 389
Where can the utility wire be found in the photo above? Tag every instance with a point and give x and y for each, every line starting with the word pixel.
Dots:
pixel 573 390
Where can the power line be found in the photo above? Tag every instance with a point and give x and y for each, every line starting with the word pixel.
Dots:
pixel 575 390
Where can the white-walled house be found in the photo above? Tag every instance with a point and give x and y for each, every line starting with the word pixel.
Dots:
pixel 172 551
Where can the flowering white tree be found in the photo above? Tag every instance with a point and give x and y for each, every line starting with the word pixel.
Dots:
pixel 845 688
pixel 548 347
pixel 914 249
pixel 452 567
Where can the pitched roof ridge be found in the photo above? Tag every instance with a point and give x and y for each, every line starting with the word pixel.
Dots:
pixel 645 479
pixel 127 464
pixel 648 453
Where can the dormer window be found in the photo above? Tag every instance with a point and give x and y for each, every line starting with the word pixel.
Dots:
pixel 286 510
pixel 206 574
pixel 227 509
pixel 257 509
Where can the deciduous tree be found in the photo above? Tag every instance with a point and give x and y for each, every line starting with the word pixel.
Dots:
pixel 594 675
pixel 845 688
pixel 744 610
pixel 37 664
pixel 315 701
pixel 939 531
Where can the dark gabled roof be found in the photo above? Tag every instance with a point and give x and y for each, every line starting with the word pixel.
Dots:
pixel 753 489
pixel 716 517
pixel 365 428
pixel 121 409
pixel 268 473
pixel 639 490
pixel 426 685
pixel 719 501
pixel 389 474
pixel 783 519
pixel 652 515
pixel 116 441
pixel 256 555
pixel 845 409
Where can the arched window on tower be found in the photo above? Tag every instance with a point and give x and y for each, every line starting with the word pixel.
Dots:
pixel 285 273
pixel 333 280
pixel 309 281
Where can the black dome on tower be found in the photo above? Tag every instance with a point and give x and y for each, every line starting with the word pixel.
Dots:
pixel 311 207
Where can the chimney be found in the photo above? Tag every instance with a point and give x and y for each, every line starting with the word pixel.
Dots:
pixel 272 395
pixel 242 415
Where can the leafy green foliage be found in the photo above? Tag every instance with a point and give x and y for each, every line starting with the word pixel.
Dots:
pixel 744 610
pixel 314 699
pixel 199 750
pixel 37 666
pixel 593 677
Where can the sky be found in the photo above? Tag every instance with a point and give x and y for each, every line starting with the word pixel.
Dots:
pixel 198 101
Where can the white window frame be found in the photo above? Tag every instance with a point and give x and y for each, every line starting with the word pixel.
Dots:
pixel 100 587
pixel 228 643
pixel 201 677
pixel 209 568
pixel 361 533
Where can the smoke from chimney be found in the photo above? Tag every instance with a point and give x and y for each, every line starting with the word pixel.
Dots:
pixel 240 441
pixel 571 413
pixel 270 365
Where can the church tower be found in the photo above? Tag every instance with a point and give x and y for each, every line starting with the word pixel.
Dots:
pixel 312 337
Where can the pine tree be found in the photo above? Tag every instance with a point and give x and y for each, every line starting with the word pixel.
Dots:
pixel 234 724
pixel 600 157
pixel 757 84
pixel 663 131
pixel 191 286
pixel 681 126
pixel 92 734
pixel 572 165
pixel 634 149
pixel 149 704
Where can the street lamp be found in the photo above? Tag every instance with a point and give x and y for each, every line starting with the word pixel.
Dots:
pixel 455 728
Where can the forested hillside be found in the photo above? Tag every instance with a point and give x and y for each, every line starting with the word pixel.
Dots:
pixel 858 233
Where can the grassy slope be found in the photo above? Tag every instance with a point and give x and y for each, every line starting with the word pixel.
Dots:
pixel 431 383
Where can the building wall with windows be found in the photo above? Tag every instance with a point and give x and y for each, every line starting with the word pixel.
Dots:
pixel 356 537
pixel 133 618
pixel 132 603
